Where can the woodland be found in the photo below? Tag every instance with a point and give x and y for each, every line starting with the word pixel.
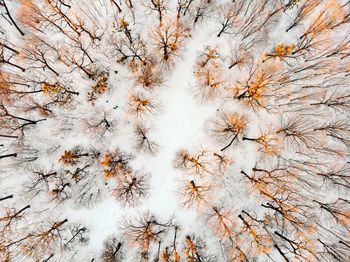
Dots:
pixel 175 130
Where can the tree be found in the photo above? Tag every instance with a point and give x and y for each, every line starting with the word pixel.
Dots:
pixel 269 142
pixel 195 194
pixel 44 240
pixel 9 220
pixel 58 16
pixel 208 73
pixel 196 164
pixel 201 10
pixel 99 88
pixel 170 253
pixel 183 6
pixel 221 163
pixel 338 210
pixel 124 27
pixel 301 249
pixel 9 15
pixel 39 182
pixel 61 190
pixel 228 127
pixel 78 235
pixel 221 221
pixel 6 56
pixel 116 164
pixel 336 100
pixel 146 73
pixel 6 197
pixel 112 251
pixel 282 51
pixel 298 132
pixel 90 190
pixel 75 60
pixel 132 188
pixel 145 231
pixel 14 125
pixel 159 6
pixel 144 143
pixel 260 85
pixel 290 207
pixel 303 11
pixel 340 49
pixel 37 53
pixel 240 56
pixel 58 93
pixel 169 38
pixel 195 250
pixel 333 251
pixel 101 126
pixel 228 16
pixel 259 240
pixel 141 104
pixel 126 51
pixel 310 47
pixel 257 17
pixel 325 19
pixel 336 175
pixel 71 157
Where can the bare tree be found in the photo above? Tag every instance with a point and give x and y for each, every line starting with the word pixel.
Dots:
pixel 141 104
pixel 333 251
pixel 338 210
pixel 146 73
pixel 7 54
pixel 9 220
pixel 195 194
pixel 228 127
pixel 144 143
pixel 99 88
pixel 240 56
pixel 101 126
pixel 196 164
pixel 126 51
pixel 269 142
pixel 10 17
pixel 116 164
pixel 13 124
pixel 37 52
pixel 78 235
pixel 298 131
pixel 44 240
pixel 38 182
pixel 303 11
pixel 61 190
pixel 201 10
pixel 221 221
pixel 208 73
pixel 158 6
pixel 112 251
pixel 145 231
pixel 169 38
pixel 132 188
pixel 71 157
pixel 195 250
pixel 228 16
pixel 6 197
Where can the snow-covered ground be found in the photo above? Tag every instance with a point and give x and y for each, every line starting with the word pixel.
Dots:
pixel 188 130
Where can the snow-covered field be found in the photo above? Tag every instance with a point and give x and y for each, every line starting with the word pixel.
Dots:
pixel 165 130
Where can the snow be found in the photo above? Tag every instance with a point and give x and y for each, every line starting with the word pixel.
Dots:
pixel 182 121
